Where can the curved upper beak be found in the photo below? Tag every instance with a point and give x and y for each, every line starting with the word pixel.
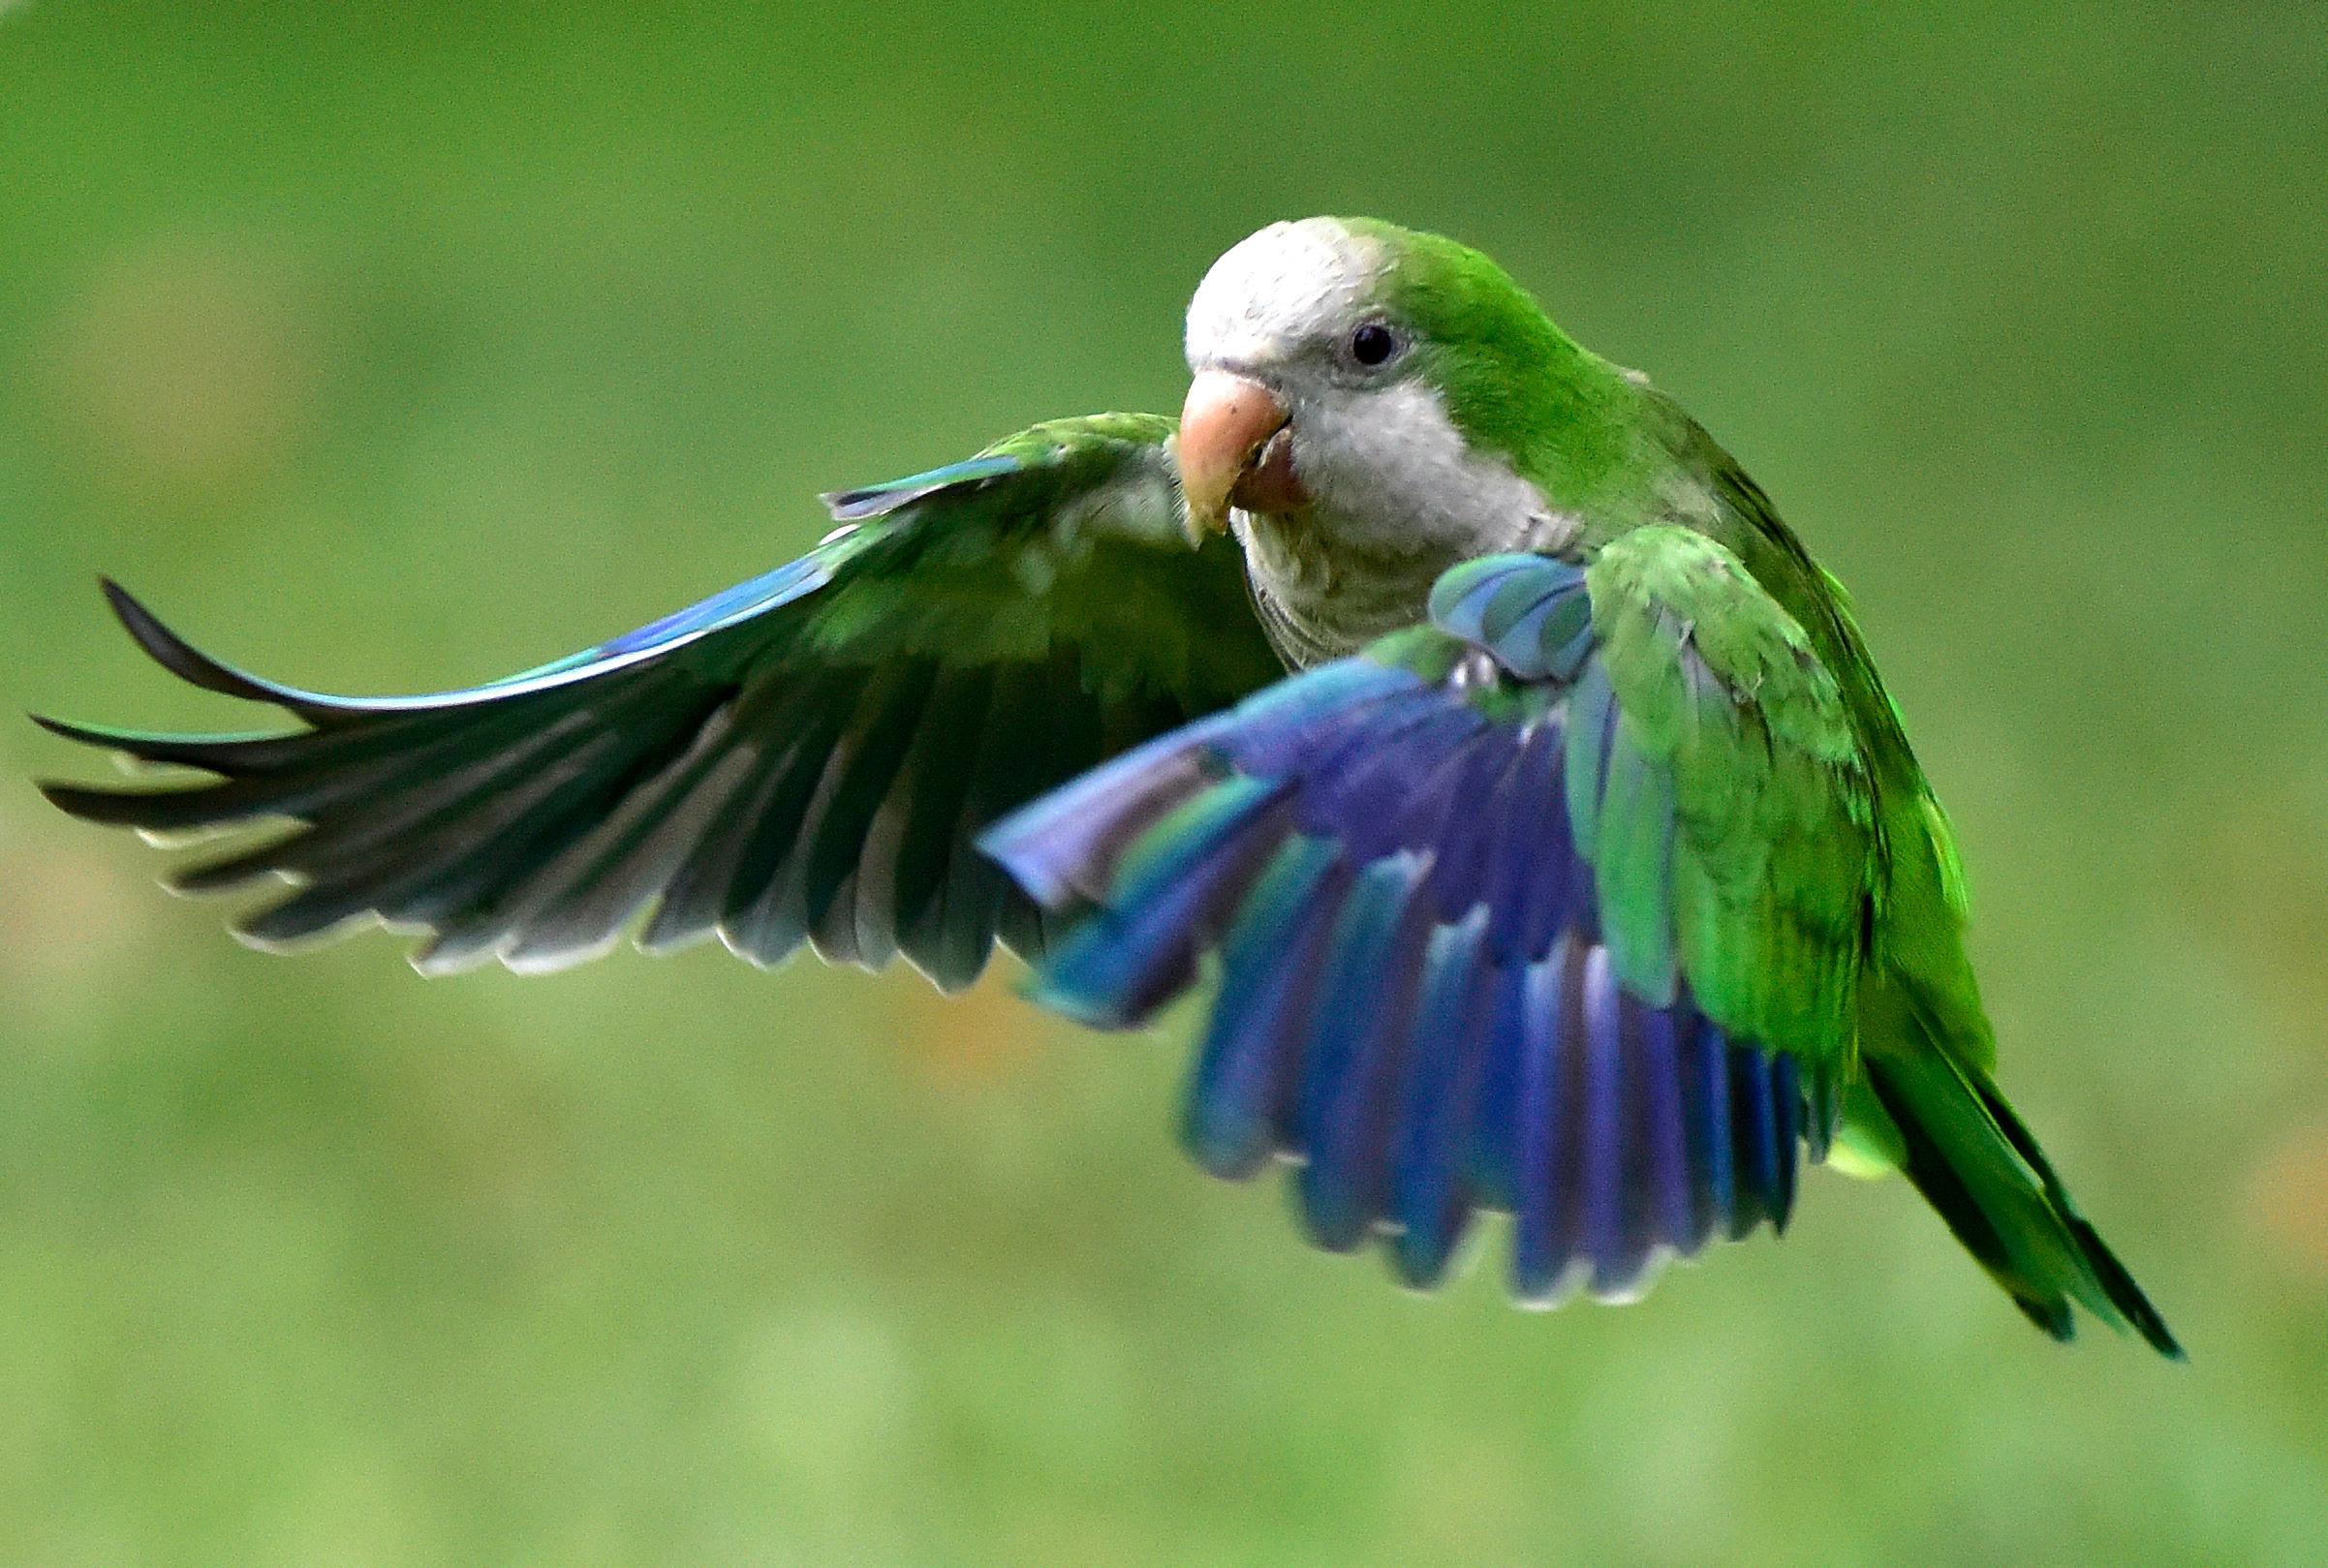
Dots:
pixel 1234 451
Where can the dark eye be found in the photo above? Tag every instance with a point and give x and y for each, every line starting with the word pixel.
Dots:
pixel 1371 344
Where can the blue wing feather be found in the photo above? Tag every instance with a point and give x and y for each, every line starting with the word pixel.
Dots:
pixel 1608 1241
pixel 1128 960
pixel 1348 1068
pixel 1655 1065
pixel 1705 1083
pixel 1269 971
pixel 1429 1199
pixel 1544 1138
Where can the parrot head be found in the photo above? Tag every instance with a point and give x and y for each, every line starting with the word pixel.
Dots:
pixel 1390 390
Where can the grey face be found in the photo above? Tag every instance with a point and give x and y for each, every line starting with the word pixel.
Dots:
pixel 1301 308
pixel 1395 493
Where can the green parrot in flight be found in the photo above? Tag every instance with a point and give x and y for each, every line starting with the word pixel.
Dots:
pixel 1441 687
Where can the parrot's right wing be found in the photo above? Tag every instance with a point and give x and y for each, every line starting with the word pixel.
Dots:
pixel 806 756
pixel 1554 905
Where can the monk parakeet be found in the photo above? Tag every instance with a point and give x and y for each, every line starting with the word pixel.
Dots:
pixel 1439 693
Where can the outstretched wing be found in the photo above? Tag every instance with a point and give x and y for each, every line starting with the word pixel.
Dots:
pixel 1553 905
pixel 804 756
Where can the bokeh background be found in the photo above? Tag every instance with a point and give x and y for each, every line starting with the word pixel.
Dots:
pixel 393 346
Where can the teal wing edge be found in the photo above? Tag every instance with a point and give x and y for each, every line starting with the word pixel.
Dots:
pixel 804 758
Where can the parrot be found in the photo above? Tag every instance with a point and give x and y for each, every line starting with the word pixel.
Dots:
pixel 1434 697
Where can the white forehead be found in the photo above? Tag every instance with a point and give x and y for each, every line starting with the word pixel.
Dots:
pixel 1288 282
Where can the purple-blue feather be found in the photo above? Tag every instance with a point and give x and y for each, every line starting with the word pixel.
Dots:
pixel 1611 1242
pixel 1660 1154
pixel 1543 1110
pixel 1269 974
pixel 1429 1198
pixel 1130 958
pixel 1705 1082
pixel 1348 1072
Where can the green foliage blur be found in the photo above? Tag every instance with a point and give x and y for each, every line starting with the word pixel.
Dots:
pixel 395 346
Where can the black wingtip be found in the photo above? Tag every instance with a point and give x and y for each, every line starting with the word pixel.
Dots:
pixel 175 653
pixel 101 805
pixel 164 810
pixel 149 811
pixel 129 743
pixel 69 798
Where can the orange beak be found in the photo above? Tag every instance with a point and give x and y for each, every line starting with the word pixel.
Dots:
pixel 1235 451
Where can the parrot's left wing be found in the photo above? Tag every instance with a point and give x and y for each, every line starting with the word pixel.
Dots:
pixel 1554 905
pixel 804 756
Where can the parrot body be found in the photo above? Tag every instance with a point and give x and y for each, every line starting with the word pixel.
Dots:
pixel 1441 687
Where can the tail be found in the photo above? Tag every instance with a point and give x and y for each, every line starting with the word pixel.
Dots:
pixel 1974 1161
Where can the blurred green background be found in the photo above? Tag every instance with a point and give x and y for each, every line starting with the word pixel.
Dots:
pixel 396 346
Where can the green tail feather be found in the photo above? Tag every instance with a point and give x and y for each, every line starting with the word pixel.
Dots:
pixel 1978 1165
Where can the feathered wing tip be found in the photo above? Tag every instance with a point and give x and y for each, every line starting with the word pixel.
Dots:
pixel 181 658
pixel 165 811
pixel 1416 1003
pixel 424 814
pixel 534 822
